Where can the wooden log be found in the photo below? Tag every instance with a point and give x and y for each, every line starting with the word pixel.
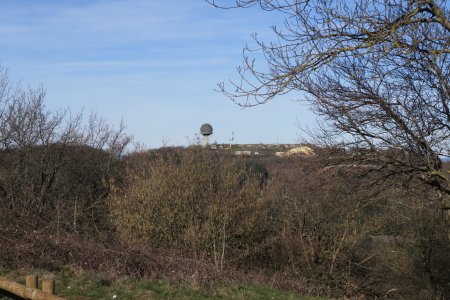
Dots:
pixel 48 285
pixel 31 281
pixel 24 292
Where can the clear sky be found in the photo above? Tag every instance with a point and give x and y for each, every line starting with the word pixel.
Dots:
pixel 153 63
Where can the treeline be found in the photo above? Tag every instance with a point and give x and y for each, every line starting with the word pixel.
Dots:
pixel 71 197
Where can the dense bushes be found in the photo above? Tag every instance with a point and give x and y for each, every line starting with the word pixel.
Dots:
pixel 341 230
pixel 60 186
pixel 53 164
pixel 306 226
pixel 193 201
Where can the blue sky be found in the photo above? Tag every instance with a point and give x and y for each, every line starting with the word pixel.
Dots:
pixel 153 63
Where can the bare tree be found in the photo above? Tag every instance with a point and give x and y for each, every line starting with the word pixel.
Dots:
pixel 50 159
pixel 376 71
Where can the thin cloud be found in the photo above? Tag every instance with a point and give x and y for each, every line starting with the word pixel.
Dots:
pixel 111 65
pixel 112 22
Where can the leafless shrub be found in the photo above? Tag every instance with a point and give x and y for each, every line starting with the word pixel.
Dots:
pixel 53 165
pixel 340 231
pixel 191 201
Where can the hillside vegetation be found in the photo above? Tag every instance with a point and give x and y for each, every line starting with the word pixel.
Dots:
pixel 204 217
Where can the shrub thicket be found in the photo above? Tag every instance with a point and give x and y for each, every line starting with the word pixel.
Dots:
pixel 61 187
pixel 53 164
pixel 342 229
pixel 192 201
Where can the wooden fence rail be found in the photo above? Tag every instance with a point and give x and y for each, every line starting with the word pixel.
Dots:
pixel 30 289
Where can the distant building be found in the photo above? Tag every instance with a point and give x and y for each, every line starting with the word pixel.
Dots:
pixel 243 152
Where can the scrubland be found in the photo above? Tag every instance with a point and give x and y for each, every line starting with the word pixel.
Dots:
pixel 204 218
